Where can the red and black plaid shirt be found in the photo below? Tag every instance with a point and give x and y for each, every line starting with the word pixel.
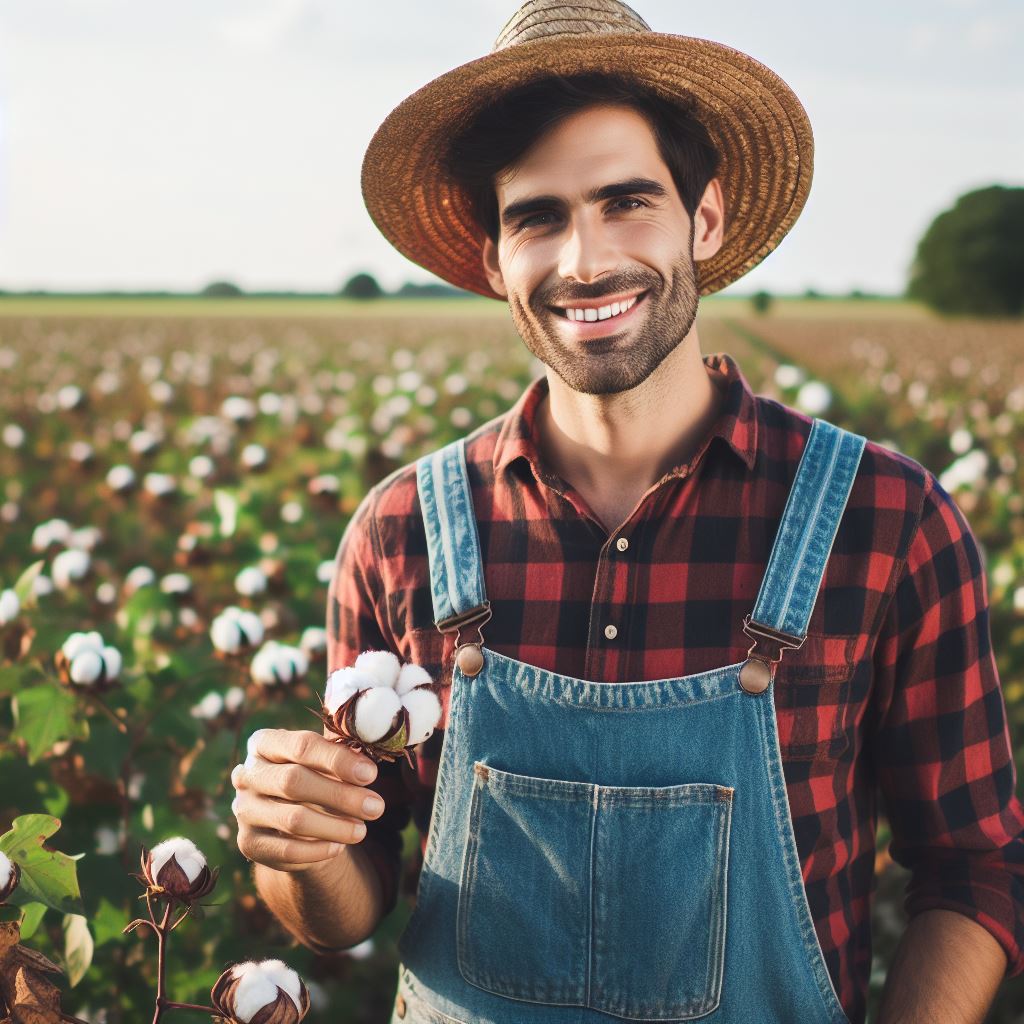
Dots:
pixel 895 692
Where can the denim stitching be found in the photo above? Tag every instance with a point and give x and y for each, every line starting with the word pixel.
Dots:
pixel 791 860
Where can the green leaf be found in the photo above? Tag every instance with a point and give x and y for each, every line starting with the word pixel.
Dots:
pixel 23 588
pixel 44 715
pixel 33 914
pixel 108 921
pixel 47 876
pixel 78 947
pixel 14 678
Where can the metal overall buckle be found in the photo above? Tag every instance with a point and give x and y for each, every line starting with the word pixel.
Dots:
pixel 758 670
pixel 469 655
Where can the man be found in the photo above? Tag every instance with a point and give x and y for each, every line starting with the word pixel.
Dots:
pixel 686 637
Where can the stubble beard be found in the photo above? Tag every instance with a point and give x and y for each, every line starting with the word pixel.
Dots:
pixel 598 366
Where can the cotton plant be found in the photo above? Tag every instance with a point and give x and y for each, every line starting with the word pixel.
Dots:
pixel 236 630
pixel 84 660
pixel 267 991
pixel 10 606
pixel 380 706
pixel 276 663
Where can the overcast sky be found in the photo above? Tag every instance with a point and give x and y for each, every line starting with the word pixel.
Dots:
pixel 147 144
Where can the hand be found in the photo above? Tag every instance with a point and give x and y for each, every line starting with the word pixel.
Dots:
pixel 285 772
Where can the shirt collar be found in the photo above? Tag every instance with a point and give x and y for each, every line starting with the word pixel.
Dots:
pixel 736 425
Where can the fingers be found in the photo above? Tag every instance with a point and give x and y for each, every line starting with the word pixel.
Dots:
pixel 297 784
pixel 259 812
pixel 284 853
pixel 300 746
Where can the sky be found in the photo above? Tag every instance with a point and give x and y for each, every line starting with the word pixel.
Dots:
pixel 165 145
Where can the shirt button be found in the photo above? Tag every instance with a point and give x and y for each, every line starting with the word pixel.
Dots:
pixel 622 543
pixel 611 632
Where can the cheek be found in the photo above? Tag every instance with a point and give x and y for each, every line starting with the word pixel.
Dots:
pixel 644 240
pixel 524 265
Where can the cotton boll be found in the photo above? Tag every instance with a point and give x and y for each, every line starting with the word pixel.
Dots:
pixel 209 707
pixel 384 666
pixel 234 699
pixel 424 713
pixel 86 667
pixel 112 662
pixel 226 634
pixel 77 642
pixel 260 985
pixel 69 566
pixel 9 607
pixel 254 991
pixel 6 869
pixel 375 713
pixel 184 851
pixel 284 978
pixel 410 676
pixel 342 684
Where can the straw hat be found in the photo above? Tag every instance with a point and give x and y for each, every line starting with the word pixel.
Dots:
pixel 754 118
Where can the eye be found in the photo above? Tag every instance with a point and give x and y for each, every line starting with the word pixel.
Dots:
pixel 536 220
pixel 628 203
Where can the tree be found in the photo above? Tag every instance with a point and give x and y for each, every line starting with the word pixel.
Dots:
pixel 361 286
pixel 761 301
pixel 221 289
pixel 971 258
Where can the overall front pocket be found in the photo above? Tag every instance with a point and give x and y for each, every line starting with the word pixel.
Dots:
pixel 609 897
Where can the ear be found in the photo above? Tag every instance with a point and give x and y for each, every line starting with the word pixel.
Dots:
pixel 709 222
pixel 495 278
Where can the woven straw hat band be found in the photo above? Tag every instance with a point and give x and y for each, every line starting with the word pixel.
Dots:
pixel 547 19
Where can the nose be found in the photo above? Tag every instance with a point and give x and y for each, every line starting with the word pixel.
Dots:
pixel 587 252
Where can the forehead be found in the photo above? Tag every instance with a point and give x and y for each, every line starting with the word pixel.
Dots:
pixel 585 150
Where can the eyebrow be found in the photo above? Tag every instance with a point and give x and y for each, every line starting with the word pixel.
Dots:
pixel 631 187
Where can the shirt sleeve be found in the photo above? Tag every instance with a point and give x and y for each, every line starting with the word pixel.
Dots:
pixel 944 760
pixel 357 622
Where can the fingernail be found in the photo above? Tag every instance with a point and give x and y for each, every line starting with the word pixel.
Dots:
pixel 372 805
pixel 365 772
pixel 360 830
pixel 335 848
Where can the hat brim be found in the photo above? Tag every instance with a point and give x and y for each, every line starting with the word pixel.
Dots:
pixel 759 126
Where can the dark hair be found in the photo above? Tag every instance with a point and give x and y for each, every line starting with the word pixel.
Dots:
pixel 502 131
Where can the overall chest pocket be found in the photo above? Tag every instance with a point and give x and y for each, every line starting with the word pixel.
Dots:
pixel 608 897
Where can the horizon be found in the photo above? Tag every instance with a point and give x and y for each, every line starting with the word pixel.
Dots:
pixel 145 150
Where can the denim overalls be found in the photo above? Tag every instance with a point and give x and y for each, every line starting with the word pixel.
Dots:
pixel 617 851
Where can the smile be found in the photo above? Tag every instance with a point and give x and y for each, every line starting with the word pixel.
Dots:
pixel 593 312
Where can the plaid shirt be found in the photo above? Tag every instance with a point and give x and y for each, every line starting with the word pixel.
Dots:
pixel 894 693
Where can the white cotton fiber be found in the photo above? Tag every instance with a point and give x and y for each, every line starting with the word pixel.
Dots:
pixel 375 713
pixel 184 851
pixel 344 682
pixel 86 667
pixel 258 985
pixel 382 665
pixel 410 676
pixel 424 713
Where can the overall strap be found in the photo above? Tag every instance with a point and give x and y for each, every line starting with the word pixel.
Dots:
pixel 453 545
pixel 808 529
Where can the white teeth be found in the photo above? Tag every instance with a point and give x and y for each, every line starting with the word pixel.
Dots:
pixel 602 312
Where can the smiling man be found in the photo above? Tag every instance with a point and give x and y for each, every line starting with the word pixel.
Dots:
pixel 688 640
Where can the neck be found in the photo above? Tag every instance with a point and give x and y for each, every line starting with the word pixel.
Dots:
pixel 621 444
